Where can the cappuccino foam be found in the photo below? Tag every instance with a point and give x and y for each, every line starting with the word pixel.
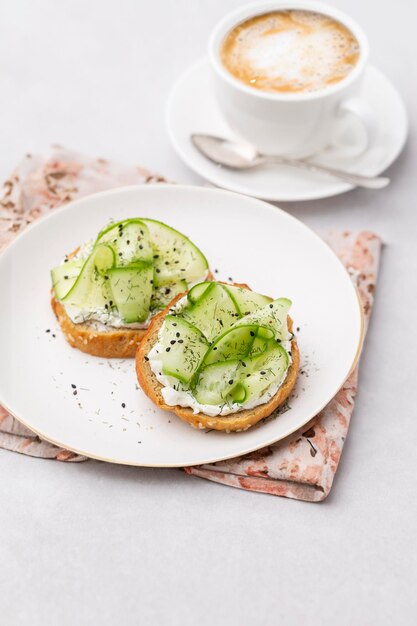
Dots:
pixel 290 51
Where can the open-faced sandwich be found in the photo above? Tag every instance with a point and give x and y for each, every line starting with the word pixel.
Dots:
pixel 106 292
pixel 219 356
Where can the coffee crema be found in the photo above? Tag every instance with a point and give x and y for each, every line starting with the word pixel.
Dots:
pixel 290 51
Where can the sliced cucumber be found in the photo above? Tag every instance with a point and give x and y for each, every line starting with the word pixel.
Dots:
pixel 130 241
pixel 132 291
pixel 163 294
pixel 241 380
pixel 64 277
pixel 216 383
pixel 197 291
pixel 184 347
pixel 175 256
pixel 91 290
pixel 214 312
pixel 273 315
pixel 135 266
pixel 247 301
pixel 235 343
pixel 264 370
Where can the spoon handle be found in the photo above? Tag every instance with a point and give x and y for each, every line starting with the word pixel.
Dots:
pixel 368 182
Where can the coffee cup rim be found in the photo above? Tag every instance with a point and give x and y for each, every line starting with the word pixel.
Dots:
pixel 237 16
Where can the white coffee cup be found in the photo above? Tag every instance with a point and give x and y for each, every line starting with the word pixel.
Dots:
pixel 294 124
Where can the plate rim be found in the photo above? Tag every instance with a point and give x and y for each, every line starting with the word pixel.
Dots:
pixel 142 187
pixel 319 195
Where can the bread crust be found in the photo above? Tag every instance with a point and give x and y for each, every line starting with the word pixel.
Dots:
pixel 233 422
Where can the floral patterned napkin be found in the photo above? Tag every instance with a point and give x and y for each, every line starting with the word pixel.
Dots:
pixel 303 465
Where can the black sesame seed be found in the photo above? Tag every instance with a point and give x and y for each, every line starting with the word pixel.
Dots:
pixel 167 291
pixel 158 271
pixel 128 242
pixel 111 302
pixel 214 348
pixel 53 335
pixel 174 324
pixel 168 349
pixel 74 393
pixel 73 386
pixel 263 373
pixel 172 342
pixel 271 306
pixel 123 405
pixel 216 271
pixel 243 363
pixel 120 253
pixel 146 358
pixel 177 334
pixel 66 277
pixel 140 247
pixel 180 340
pixel 156 256
pixel 252 334
pixel 48 330
pixel 230 382
pixel 298 329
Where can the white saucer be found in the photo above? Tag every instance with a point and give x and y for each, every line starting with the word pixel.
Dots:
pixel 192 108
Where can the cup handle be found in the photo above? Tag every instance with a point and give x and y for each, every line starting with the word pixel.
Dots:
pixel 364 132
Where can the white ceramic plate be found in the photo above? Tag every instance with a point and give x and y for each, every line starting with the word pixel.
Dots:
pixel 192 108
pixel 244 239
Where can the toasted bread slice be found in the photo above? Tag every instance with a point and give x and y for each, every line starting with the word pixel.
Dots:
pixel 241 420
pixel 119 343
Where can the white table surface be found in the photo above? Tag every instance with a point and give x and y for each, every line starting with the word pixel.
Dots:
pixel 101 544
